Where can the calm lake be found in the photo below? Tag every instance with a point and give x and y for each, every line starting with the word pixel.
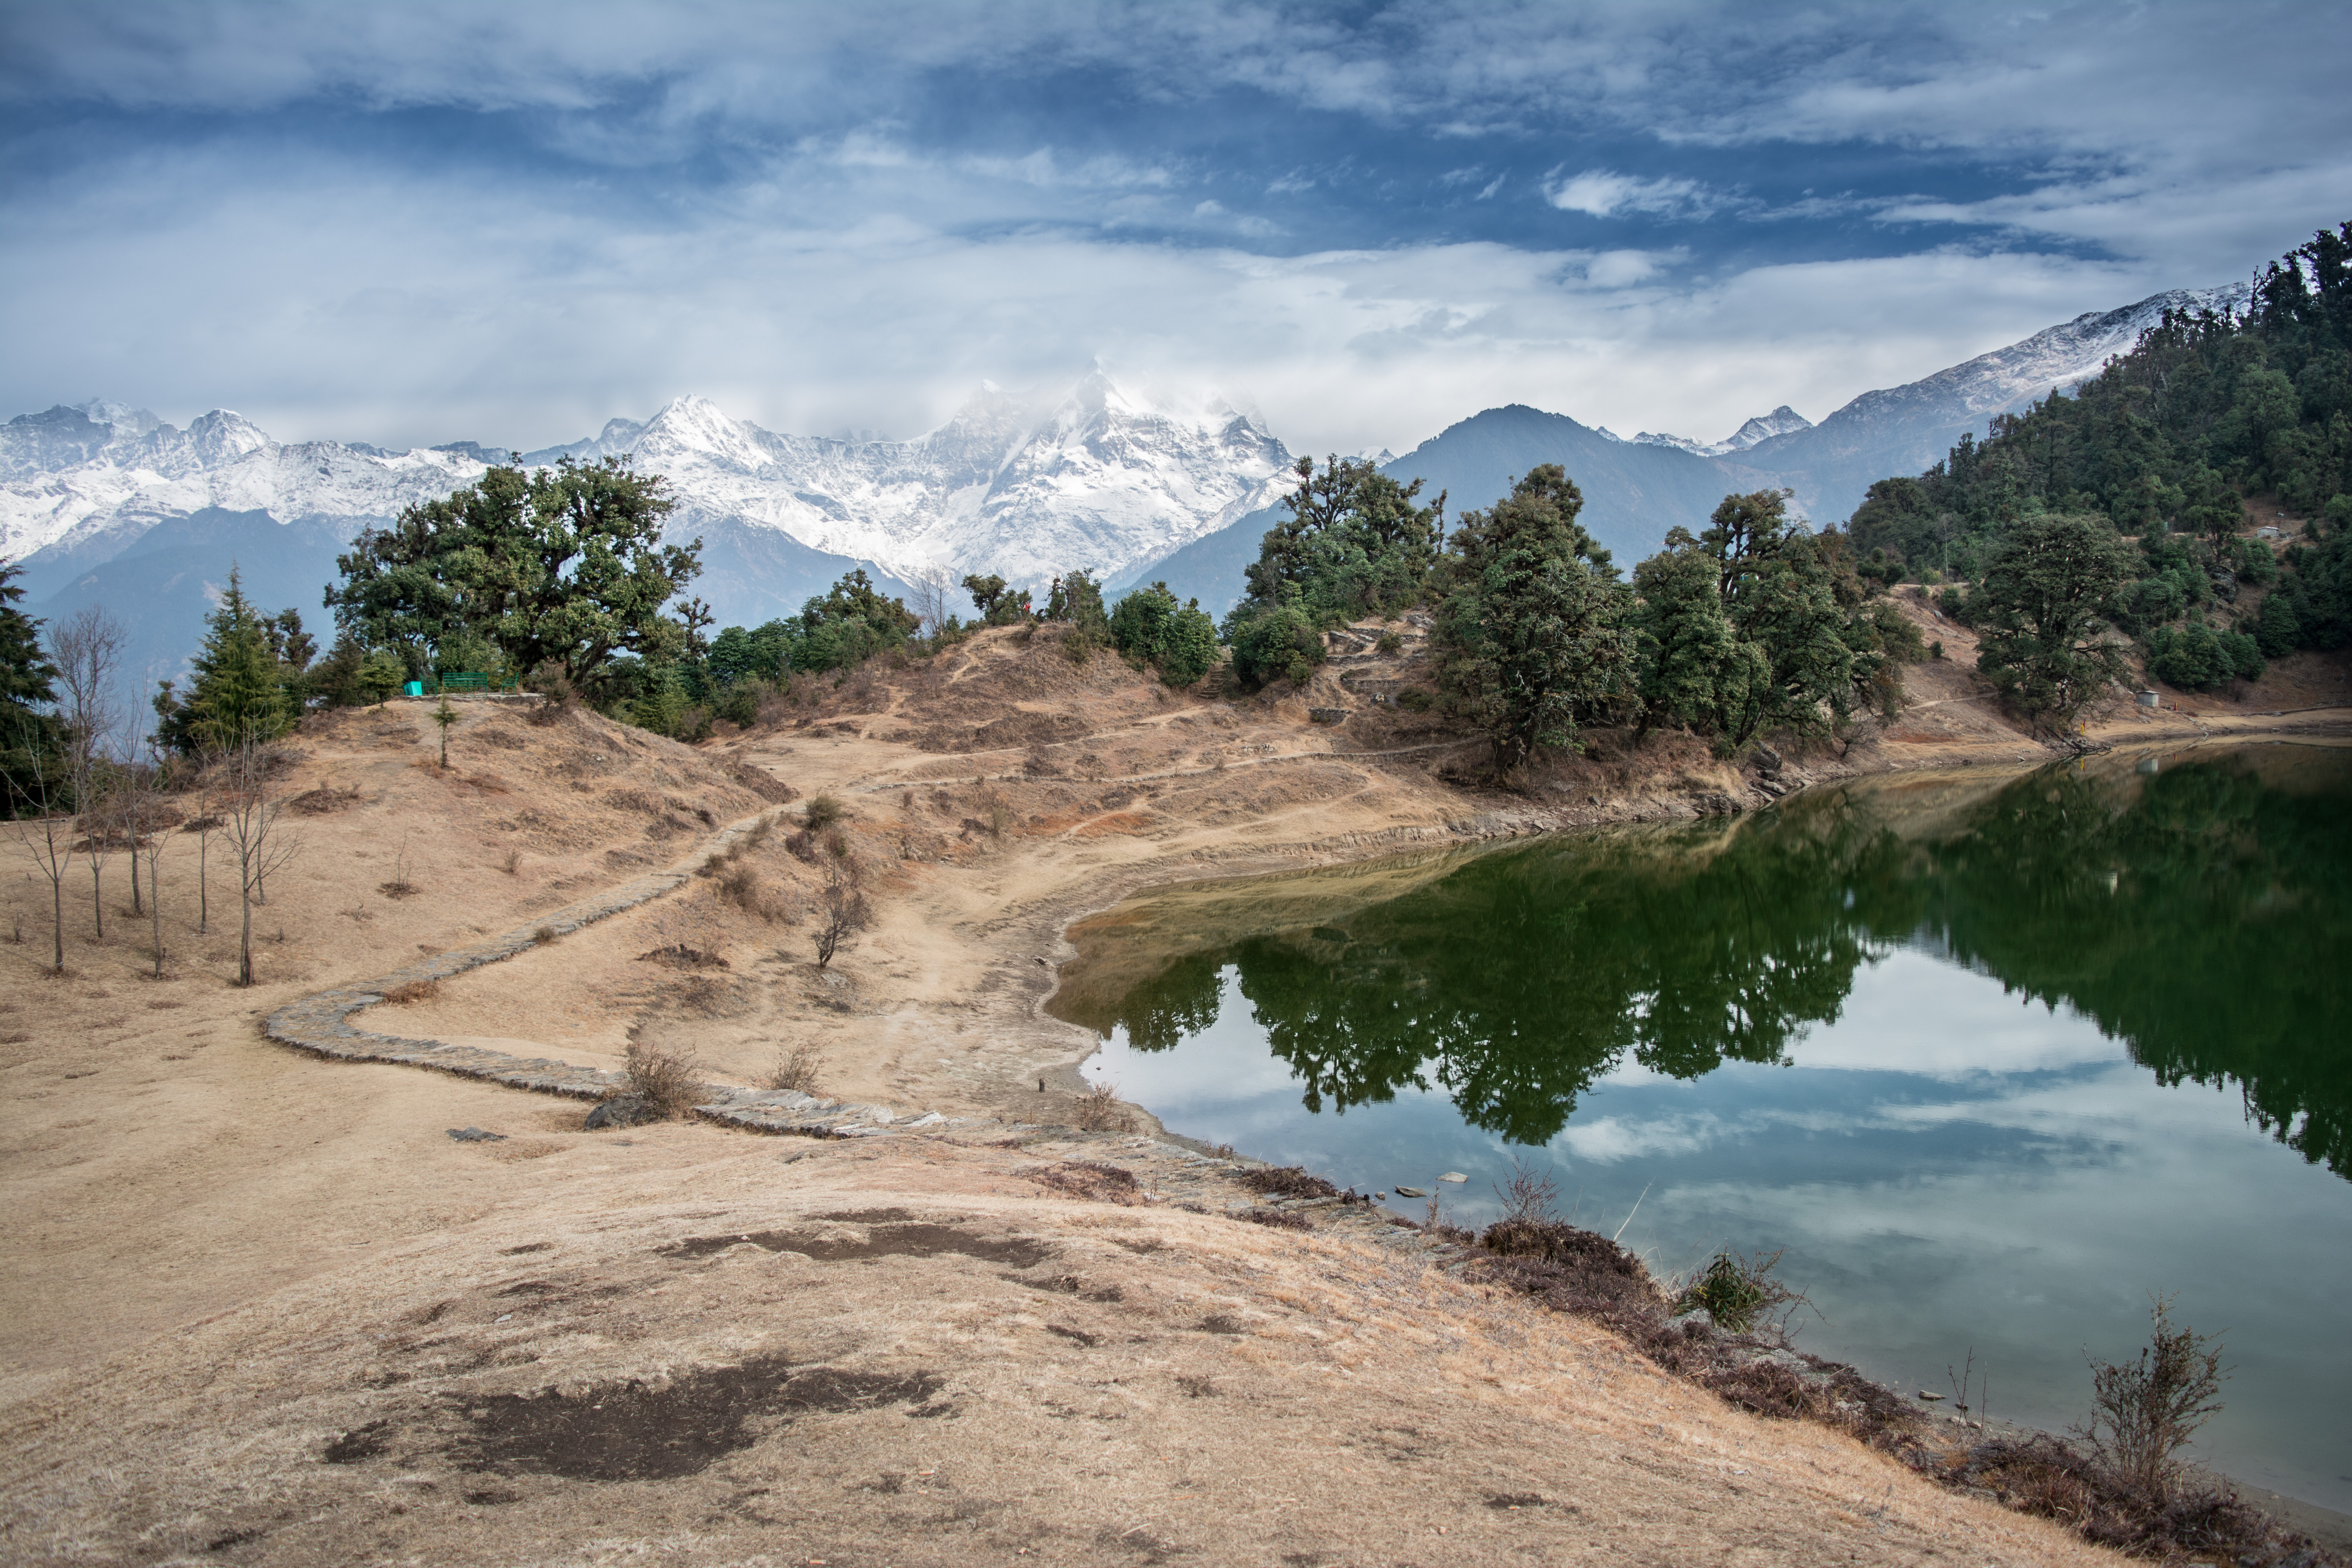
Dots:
pixel 1992 1057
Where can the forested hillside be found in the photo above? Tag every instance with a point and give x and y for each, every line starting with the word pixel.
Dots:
pixel 2167 446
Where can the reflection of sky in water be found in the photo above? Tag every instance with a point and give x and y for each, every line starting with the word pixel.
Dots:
pixel 1945 1168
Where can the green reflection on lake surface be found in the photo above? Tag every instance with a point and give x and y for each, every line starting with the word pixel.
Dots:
pixel 2202 914
pixel 1823 1027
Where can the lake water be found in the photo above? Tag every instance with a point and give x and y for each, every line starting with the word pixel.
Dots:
pixel 1991 1058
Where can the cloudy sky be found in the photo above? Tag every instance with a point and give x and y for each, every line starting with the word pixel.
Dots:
pixel 414 223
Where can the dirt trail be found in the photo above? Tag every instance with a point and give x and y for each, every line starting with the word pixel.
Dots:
pixel 265 1308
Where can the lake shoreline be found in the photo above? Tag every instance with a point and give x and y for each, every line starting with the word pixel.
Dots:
pixel 2169 735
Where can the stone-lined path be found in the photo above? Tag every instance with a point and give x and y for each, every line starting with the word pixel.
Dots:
pixel 320 1023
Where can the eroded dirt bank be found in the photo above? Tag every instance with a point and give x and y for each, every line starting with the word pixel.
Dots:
pixel 263 1307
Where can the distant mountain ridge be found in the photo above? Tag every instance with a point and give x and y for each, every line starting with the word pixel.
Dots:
pixel 1633 494
pixel 1906 429
pixel 1024 485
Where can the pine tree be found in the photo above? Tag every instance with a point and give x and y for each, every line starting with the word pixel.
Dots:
pixel 30 739
pixel 236 692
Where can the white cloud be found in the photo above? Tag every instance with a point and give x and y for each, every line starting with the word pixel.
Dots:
pixel 1604 194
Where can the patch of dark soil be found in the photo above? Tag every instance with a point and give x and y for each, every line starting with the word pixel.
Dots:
pixel 233 1538
pixel 487 1499
pixel 360 1443
pixel 907 1240
pixel 871 1216
pixel 1277 1219
pixel 1222 1323
pixel 1516 1499
pixel 678 956
pixel 1286 1181
pixel 1079 1335
pixel 1089 1179
pixel 762 783
pixel 323 801
pixel 527 1247
pixel 530 1287
pixel 631 1432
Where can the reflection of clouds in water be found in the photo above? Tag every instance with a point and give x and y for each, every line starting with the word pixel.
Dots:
pixel 1975 1028
pixel 1222 1069
pixel 1609 1140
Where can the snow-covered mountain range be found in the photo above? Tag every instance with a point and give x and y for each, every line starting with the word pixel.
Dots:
pixel 1782 421
pixel 101 503
pixel 1023 486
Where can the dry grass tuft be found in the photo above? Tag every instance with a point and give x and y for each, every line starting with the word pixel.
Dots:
pixel 1277 1219
pixel 797 1068
pixel 413 992
pixel 669 1081
pixel 1099 1110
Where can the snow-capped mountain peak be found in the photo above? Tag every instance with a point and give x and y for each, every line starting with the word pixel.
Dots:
pixel 1782 421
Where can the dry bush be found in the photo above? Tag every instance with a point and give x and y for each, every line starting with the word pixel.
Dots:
pixel 555 693
pixel 544 935
pixel 1099 1110
pixel 797 1068
pixel 413 991
pixel 1279 1219
pixel 822 812
pixel 667 1080
pixel 2043 1475
pixel 995 813
pixel 842 909
pixel 2147 1410
pixel 1286 1181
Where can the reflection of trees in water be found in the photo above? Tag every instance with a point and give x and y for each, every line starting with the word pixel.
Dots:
pixel 2216 951
pixel 2218 954
pixel 1519 979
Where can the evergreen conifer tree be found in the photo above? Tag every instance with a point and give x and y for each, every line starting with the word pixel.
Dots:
pixel 29 738
pixel 236 692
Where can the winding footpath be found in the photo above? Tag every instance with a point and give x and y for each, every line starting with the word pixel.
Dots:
pixel 320 1024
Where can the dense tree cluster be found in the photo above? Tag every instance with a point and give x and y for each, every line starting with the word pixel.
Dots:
pixel 2164 445
pixel 1355 544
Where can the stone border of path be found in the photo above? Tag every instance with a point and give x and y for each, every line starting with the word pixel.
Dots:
pixel 319 1025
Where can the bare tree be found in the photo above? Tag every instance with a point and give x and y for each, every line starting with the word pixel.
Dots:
pixel 208 771
pixel 87 648
pixel 253 819
pixel 141 799
pixel 934 587
pixel 841 906
pixel 42 792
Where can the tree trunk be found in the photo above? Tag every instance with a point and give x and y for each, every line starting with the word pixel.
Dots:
pixel 136 907
pixel 96 904
pixel 245 930
pixel 203 887
pixel 58 922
